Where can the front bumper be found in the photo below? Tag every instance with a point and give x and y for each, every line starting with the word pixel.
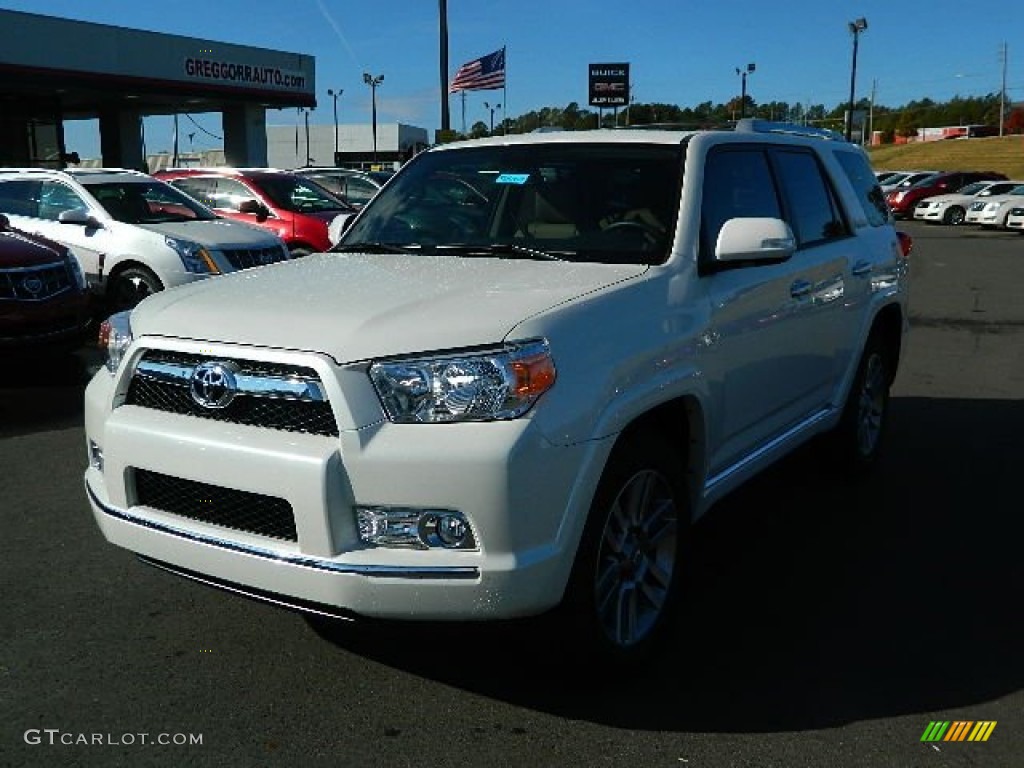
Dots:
pixel 525 499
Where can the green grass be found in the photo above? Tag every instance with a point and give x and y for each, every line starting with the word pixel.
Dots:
pixel 1003 154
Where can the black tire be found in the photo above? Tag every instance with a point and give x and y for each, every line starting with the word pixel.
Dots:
pixel 954 216
pixel 131 285
pixel 860 435
pixel 626 578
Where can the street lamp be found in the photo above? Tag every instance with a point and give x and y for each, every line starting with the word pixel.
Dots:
pixel 335 95
pixel 373 82
pixel 495 107
pixel 856 27
pixel 743 92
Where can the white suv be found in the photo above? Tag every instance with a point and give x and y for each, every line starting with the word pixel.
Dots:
pixel 533 362
pixel 134 234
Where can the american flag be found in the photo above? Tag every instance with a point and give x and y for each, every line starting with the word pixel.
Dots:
pixel 481 74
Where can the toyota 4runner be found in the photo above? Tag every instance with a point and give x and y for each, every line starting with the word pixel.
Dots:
pixel 530 365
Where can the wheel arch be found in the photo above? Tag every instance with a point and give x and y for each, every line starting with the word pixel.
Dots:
pixel 681 423
pixel 887 327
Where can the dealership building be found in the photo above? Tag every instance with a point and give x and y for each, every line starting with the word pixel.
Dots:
pixel 54 69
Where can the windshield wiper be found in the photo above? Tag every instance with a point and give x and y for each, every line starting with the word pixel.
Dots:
pixel 502 250
pixel 374 247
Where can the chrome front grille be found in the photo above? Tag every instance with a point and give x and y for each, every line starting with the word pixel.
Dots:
pixel 226 507
pixel 244 258
pixel 36 283
pixel 269 395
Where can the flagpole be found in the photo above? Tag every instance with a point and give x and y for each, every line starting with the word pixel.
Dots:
pixel 463 113
pixel 504 93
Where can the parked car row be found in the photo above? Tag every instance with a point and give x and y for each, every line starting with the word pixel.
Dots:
pixel 903 200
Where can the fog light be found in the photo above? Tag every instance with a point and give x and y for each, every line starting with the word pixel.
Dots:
pixel 448 529
pixel 95 456
pixel 410 527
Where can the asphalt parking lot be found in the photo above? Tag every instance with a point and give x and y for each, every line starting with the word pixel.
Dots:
pixel 828 624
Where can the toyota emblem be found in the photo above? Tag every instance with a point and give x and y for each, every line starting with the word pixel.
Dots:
pixel 213 385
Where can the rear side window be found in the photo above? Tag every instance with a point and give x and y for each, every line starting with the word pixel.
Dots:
pixel 810 203
pixel 872 200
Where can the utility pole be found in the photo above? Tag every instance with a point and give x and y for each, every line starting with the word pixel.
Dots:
pixel 1002 91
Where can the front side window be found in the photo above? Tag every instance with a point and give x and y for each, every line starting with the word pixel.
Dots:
pixel 298 195
pixel 738 184
pixel 609 203
pixel 56 198
pixel 147 202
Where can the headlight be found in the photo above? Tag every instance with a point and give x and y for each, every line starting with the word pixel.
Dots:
pixel 75 268
pixel 195 257
pixel 477 386
pixel 114 339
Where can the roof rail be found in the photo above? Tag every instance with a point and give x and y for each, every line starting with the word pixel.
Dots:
pixel 754 125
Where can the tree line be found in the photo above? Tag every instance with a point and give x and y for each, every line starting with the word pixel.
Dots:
pixel 903 121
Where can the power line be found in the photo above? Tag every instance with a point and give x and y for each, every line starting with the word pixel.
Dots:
pixel 197 125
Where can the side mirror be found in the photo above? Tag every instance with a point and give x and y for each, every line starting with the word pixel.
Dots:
pixel 757 239
pixel 338 226
pixel 255 207
pixel 5 223
pixel 79 216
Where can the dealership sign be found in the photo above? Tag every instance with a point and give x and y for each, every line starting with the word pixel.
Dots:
pixel 609 85
pixel 249 75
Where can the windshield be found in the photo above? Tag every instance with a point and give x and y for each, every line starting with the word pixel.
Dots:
pixel 974 188
pixel 147 202
pixel 293 193
pixel 611 203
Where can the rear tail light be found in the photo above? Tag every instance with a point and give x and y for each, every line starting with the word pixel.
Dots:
pixel 906 243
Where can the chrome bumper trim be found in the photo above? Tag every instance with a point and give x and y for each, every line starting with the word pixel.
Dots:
pixel 376 571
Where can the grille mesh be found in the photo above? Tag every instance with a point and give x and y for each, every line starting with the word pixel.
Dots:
pixel 238 510
pixel 244 258
pixel 52 279
pixel 315 418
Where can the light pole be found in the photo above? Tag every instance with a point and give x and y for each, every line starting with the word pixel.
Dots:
pixel 305 114
pixel 856 27
pixel 488 106
pixel 373 82
pixel 335 95
pixel 743 88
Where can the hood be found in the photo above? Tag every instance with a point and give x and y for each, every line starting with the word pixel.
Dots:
pixel 359 306
pixel 19 249
pixel 216 233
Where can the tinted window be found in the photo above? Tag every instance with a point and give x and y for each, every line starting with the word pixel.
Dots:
pixel 20 198
pixel 146 202
pixel 56 198
pixel 737 184
pixel 872 200
pixel 810 204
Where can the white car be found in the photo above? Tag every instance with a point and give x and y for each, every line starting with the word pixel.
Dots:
pixel 134 235
pixel 952 208
pixel 992 213
pixel 532 362
pixel 1015 218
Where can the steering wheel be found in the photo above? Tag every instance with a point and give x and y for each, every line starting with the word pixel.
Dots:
pixel 651 237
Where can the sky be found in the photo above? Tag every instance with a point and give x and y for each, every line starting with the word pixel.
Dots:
pixel 681 52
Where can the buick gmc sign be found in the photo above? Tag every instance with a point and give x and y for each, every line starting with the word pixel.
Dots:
pixel 609 85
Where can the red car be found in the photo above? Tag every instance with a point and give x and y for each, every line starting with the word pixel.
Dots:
pixel 43 297
pixel 298 210
pixel 903 201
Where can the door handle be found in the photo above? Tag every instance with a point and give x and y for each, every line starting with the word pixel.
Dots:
pixel 800 288
pixel 861 268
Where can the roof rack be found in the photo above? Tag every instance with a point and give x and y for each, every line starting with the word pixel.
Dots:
pixel 753 125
